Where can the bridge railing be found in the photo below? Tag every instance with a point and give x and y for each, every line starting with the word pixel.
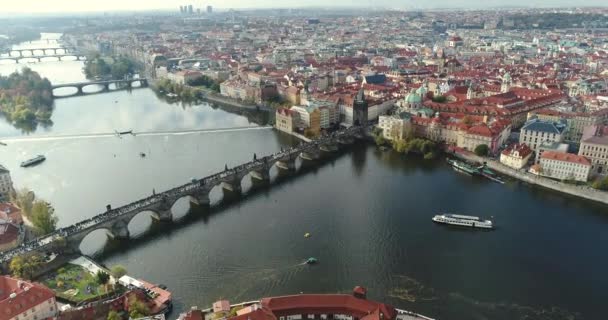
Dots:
pixel 179 191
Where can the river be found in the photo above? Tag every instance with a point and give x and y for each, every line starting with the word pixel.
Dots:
pixel 369 214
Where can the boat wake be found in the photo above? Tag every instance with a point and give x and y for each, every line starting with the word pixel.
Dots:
pixel 135 134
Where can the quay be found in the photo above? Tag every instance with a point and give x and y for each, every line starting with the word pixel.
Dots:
pixel 584 192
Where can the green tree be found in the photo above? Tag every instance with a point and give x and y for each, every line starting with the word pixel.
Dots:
pixel 102 277
pixel 601 184
pixel 482 150
pixel 118 271
pixel 113 315
pixel 137 308
pixel 43 217
pixel 24 199
pixel 21 267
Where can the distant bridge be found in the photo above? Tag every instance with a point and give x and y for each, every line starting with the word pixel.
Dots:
pixel 40 57
pixel 105 84
pixel 44 51
pixel 116 221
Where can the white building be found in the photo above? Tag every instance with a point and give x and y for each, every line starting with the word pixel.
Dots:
pixel 564 166
pixel 536 131
pixel 6 184
pixel 395 126
pixel 516 156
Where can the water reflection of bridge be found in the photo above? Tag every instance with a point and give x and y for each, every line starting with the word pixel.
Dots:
pixel 121 84
pixel 115 221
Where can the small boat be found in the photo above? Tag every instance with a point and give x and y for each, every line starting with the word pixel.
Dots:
pixel 2 144
pixel 171 95
pixel 464 221
pixel 126 132
pixel 33 161
pixel 307 235
pixel 312 260
pixel 141 154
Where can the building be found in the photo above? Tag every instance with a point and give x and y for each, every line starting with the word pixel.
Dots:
pixel 308 117
pixel 12 230
pixel 396 126
pixel 22 300
pixel 184 76
pixel 564 166
pixel 550 146
pixel 594 146
pixel 284 120
pixel 209 9
pixel 221 306
pixel 6 184
pixel 360 109
pixel 536 131
pixel 516 155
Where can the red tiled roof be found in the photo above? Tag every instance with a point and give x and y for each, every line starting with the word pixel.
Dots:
pixel 8 233
pixel 329 304
pixel 566 157
pixel 28 295
pixel 522 149
pixel 9 212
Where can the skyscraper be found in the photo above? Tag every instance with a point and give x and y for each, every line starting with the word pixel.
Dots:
pixel 209 9
pixel 190 10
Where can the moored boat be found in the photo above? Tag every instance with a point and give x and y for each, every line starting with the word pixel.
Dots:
pixel 33 161
pixel 464 221
pixel 463 167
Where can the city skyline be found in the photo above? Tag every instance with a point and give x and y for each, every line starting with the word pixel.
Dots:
pixel 31 6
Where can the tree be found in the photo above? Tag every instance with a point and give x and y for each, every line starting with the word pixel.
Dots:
pixel 113 315
pixel 137 308
pixel 25 267
pixel 601 184
pixel 482 150
pixel 118 271
pixel 440 99
pixel 43 217
pixel 102 277
pixel 24 199
pixel 467 120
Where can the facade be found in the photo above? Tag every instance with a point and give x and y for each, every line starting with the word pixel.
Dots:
pixel 537 131
pixel 22 300
pixel 284 120
pixel 594 146
pixel 516 155
pixel 183 77
pixel 6 184
pixel 307 117
pixel 564 166
pixel 395 127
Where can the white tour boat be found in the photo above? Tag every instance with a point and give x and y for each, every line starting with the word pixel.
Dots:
pixel 465 221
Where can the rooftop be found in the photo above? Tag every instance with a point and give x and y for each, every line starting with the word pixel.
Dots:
pixel 26 295
pixel 566 157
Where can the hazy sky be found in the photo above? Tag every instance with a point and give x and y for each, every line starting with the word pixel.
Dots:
pixel 35 6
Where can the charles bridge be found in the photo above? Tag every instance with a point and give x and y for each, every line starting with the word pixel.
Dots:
pixel 115 221
pixel 32 51
pixel 59 56
pixel 105 86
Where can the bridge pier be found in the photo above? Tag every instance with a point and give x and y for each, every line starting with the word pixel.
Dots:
pixel 262 174
pixel 233 186
pixel 288 164
pixel 201 199
pixel 79 90
pixel 120 230
pixel 312 154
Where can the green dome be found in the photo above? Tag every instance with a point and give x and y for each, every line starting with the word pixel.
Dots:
pixel 413 98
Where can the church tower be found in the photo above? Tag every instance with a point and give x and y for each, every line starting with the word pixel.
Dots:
pixel 360 109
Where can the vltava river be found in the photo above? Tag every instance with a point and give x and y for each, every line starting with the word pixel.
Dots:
pixel 369 213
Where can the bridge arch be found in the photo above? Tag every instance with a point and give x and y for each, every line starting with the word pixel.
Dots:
pixel 65 92
pixel 142 223
pixel 93 88
pixel 94 241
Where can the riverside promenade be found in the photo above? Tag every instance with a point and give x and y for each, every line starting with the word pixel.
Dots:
pixel 585 192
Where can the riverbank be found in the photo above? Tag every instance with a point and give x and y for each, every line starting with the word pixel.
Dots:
pixel 210 96
pixel 584 192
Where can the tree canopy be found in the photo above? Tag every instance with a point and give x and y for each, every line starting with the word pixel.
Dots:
pixel 26 99
pixel 43 217
pixel 482 150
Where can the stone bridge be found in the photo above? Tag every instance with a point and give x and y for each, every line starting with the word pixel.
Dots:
pixel 78 57
pixel 105 86
pixel 44 51
pixel 116 221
